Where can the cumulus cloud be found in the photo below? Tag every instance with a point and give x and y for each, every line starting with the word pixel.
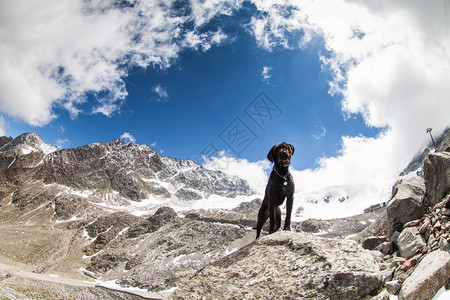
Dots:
pixel 128 138
pixel 161 92
pixel 55 54
pixel 2 126
pixel 390 64
pixel 254 172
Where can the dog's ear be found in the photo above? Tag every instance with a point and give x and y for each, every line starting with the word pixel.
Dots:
pixel 291 148
pixel 270 154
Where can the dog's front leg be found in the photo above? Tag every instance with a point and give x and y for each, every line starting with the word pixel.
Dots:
pixel 289 203
pixel 272 212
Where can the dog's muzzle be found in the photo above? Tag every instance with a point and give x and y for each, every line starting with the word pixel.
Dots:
pixel 284 157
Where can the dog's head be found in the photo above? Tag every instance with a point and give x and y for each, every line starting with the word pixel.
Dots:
pixel 281 154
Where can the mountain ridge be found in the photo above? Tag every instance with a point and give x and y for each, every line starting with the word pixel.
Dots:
pixel 133 171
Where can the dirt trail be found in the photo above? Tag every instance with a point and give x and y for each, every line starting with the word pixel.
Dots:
pixel 22 272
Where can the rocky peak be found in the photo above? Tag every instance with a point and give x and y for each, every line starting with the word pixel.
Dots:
pixel 5 140
pixel 134 172
pixel 25 144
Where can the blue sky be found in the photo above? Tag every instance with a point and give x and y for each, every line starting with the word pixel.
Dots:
pixel 353 86
pixel 205 90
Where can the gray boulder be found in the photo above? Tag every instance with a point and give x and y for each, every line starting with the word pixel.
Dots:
pixel 430 275
pixel 436 171
pixel 372 242
pixel 406 203
pixel 289 265
pixel 410 243
pixel 386 248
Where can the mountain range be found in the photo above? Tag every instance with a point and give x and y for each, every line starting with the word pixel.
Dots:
pixel 115 172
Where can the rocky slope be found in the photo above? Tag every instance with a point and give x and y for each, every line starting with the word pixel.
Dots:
pixel 58 207
pixel 69 212
pixel 287 265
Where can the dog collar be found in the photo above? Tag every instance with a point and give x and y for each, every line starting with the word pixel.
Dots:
pixel 282 177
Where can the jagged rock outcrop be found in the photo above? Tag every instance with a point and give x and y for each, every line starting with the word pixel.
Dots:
pixel 437 176
pixel 419 228
pixel 289 265
pixel 406 204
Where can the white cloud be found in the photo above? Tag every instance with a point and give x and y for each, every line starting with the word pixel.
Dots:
pixel 321 134
pixel 161 92
pixel 2 126
pixel 254 172
pixel 265 73
pixel 128 138
pixel 204 10
pixel 389 62
pixel 56 53
pixel 61 143
pixel 153 144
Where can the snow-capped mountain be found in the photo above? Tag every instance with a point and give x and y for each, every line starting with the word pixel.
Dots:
pixel 115 172
pixel 25 144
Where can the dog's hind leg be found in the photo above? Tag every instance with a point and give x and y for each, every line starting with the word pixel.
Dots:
pixel 263 215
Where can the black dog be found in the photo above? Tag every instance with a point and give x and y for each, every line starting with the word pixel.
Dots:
pixel 279 187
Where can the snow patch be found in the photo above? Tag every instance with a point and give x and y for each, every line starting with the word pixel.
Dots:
pixel 74 218
pixel 113 285
pixel 442 294
pixel 230 251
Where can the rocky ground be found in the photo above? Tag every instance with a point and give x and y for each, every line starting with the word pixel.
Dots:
pixel 60 245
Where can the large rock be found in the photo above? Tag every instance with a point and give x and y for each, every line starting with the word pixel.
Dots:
pixel 373 241
pixel 430 275
pixel 289 265
pixel 406 203
pixel 436 171
pixel 410 242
